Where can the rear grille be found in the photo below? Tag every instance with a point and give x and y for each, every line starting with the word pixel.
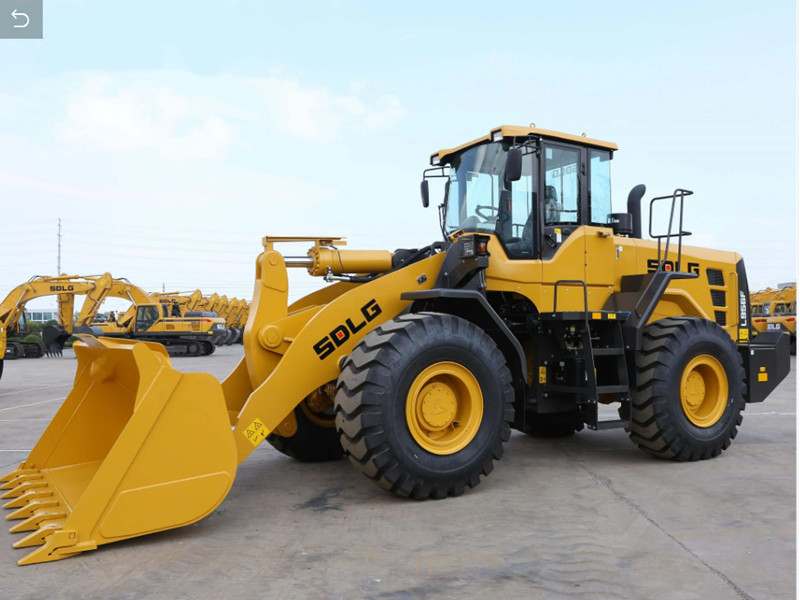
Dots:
pixel 718 298
pixel 719 316
pixel 715 277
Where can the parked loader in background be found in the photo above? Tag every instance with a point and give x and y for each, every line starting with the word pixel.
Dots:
pixel 537 307
pixel 760 304
pixel 783 313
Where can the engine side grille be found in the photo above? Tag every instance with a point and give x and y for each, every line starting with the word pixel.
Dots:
pixel 715 277
pixel 718 298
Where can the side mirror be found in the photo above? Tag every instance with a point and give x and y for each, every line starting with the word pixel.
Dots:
pixel 423 188
pixel 514 164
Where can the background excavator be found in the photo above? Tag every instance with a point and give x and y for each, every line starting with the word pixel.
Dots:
pixel 196 305
pixel 12 310
pixel 537 307
pixel 147 319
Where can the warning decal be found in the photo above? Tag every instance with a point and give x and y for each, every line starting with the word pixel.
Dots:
pixel 256 432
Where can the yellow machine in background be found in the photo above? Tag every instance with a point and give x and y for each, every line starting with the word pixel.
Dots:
pixel 147 319
pixel 537 306
pixel 197 305
pixel 65 288
pixel 150 320
pixel 776 310
pixel 783 313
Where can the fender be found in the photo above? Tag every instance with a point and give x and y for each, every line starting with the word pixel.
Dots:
pixel 473 306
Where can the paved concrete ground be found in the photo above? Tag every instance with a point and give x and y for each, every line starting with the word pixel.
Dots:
pixel 586 517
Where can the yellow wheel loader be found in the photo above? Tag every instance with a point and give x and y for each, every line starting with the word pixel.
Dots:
pixel 760 307
pixel 537 307
pixel 783 314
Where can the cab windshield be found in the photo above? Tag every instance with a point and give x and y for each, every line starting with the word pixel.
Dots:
pixel 480 199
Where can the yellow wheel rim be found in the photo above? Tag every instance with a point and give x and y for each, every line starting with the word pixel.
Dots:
pixel 444 408
pixel 704 390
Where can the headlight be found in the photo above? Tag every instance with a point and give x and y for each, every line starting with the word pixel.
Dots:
pixel 497 135
pixel 435 160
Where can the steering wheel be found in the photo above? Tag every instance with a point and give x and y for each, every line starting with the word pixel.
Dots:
pixel 492 210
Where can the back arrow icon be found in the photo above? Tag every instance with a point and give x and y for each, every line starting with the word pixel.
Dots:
pixel 16 14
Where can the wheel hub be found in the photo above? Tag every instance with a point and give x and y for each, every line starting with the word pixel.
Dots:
pixel 695 389
pixel 704 390
pixel 444 408
pixel 438 406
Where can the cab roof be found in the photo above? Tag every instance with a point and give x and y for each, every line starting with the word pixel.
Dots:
pixel 517 131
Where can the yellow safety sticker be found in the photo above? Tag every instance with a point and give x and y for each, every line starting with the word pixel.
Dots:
pixel 597 316
pixel 256 432
pixel 542 374
pixel 763 375
pixel 612 316
pixel 744 335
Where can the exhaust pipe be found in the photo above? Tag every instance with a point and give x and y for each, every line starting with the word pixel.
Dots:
pixel 635 209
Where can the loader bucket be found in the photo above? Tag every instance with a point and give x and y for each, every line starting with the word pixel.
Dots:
pixel 135 448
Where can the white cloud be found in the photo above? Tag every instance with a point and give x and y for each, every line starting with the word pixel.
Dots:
pixel 178 115
pixel 112 114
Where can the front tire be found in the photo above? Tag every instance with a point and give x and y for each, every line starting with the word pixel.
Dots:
pixel 424 404
pixel 690 387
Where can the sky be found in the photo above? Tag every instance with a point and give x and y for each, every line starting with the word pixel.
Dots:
pixel 169 137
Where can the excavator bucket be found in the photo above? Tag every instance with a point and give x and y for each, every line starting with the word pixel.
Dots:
pixel 54 338
pixel 135 448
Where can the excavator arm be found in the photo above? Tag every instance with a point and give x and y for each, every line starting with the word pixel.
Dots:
pixel 65 287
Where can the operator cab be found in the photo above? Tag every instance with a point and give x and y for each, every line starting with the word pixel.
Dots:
pixel 146 316
pixel 530 187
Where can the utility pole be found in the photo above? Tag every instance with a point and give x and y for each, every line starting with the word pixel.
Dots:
pixel 58 270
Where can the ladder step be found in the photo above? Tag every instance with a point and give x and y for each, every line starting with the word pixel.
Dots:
pixel 613 424
pixel 608 351
pixel 612 389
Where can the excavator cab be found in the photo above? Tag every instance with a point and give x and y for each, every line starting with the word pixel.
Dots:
pixel 146 316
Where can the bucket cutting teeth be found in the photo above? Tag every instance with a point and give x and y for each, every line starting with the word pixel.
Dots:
pixel 27 497
pixel 8 477
pixel 15 478
pixel 35 521
pixel 23 487
pixel 32 508
pixel 38 537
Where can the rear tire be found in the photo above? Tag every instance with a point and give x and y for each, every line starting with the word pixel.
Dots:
pixel 316 438
pixel 690 387
pixel 424 404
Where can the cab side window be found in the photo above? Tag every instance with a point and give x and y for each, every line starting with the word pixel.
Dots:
pixel 516 223
pixel 145 317
pixel 600 186
pixel 561 185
